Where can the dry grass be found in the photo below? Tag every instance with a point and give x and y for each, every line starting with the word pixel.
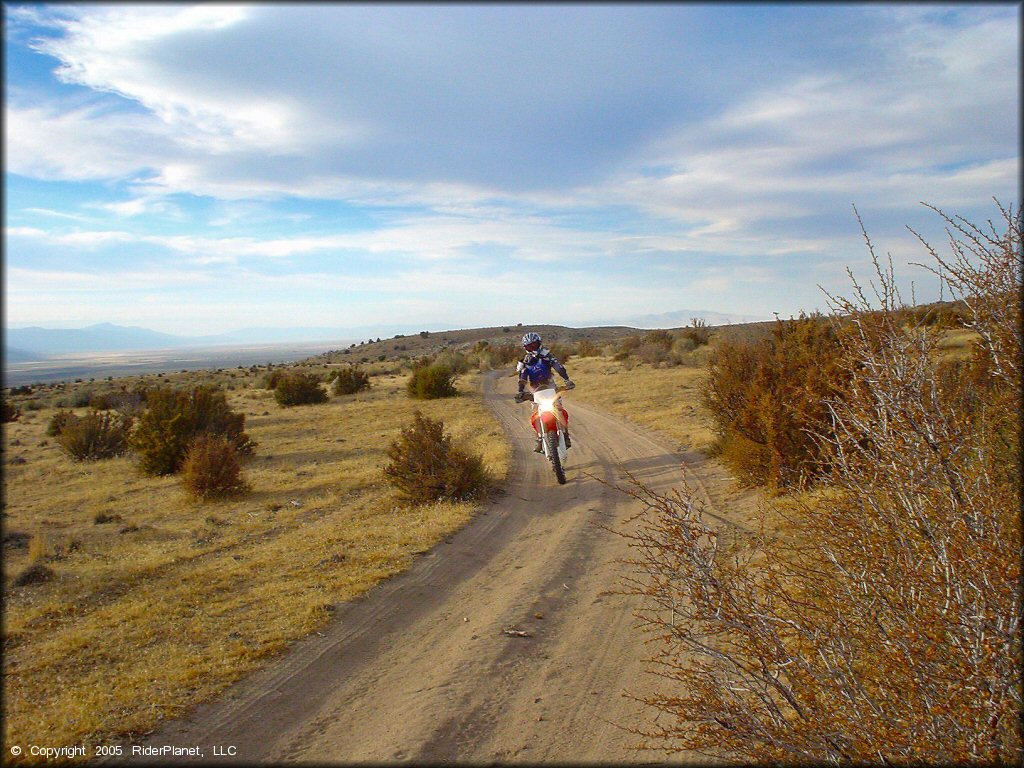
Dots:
pixel 663 399
pixel 171 601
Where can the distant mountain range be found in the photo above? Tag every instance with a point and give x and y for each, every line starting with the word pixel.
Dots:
pixel 31 344
pixel 679 318
pixel 26 344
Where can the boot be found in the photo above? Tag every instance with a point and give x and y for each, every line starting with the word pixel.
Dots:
pixel 568 441
pixel 538 448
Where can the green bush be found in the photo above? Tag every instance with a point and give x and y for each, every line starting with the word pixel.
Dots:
pixel 98 435
pixel 425 466
pixel 299 389
pixel 211 468
pixel 429 382
pixel 351 380
pixel 766 397
pixel 172 420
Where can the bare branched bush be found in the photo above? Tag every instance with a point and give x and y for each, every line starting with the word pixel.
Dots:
pixel 425 466
pixel 885 625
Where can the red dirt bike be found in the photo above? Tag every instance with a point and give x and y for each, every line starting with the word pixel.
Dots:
pixel 549 423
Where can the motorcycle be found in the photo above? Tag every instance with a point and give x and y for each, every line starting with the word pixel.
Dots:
pixel 547 421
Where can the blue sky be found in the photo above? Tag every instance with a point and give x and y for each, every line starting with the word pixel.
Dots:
pixel 201 168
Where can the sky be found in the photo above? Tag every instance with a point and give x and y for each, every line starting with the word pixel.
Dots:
pixel 196 169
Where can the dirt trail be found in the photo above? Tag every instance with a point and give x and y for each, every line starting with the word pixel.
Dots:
pixel 421 670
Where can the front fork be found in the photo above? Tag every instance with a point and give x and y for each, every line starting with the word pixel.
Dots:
pixel 542 430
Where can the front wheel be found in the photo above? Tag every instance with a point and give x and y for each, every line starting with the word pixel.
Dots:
pixel 556 463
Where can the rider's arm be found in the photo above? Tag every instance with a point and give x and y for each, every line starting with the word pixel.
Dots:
pixel 558 367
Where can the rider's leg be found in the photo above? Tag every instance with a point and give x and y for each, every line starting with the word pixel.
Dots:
pixel 565 427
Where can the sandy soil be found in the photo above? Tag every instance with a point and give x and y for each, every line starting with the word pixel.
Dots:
pixel 421 669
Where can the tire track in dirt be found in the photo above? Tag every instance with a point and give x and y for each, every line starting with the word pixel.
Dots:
pixel 420 669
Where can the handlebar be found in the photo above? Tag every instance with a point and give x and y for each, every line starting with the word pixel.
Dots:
pixel 522 397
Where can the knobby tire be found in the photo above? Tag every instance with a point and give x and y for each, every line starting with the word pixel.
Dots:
pixel 556 463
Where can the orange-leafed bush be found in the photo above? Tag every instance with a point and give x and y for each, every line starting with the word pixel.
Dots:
pixel 212 468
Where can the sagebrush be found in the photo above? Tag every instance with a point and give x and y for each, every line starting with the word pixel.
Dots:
pixel 425 466
pixel 173 419
pixel 350 380
pixel 212 468
pixel 431 381
pixel 97 435
pixel 767 397
pixel 299 388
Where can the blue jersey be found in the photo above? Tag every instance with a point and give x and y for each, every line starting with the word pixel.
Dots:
pixel 539 369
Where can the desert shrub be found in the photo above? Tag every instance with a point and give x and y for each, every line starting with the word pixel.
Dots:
pixel 172 420
pixel 587 348
pixel 129 402
pixel 698 332
pixel 659 338
pixel 431 381
pixel 767 396
pixel 350 380
pixel 453 360
pixel 627 347
pixel 212 468
pixel 425 466
pixel 58 421
pixel 885 628
pixel 10 411
pixel 503 354
pixel 36 573
pixel 97 435
pixel 562 352
pixel 654 353
pixel 299 388
pixel 81 398
pixel 101 401
pixel 273 377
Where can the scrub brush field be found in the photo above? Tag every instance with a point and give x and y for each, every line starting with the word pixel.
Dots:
pixel 149 602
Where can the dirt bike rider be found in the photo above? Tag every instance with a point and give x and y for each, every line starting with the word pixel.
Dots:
pixel 538 369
